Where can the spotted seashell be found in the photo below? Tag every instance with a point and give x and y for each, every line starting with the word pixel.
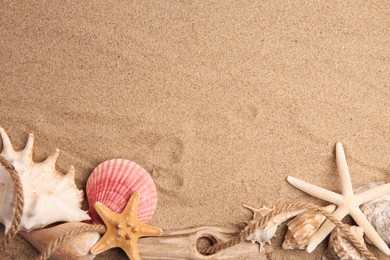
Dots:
pixel 339 246
pixel 377 212
pixel 302 228
pixel 49 196
pixel 112 183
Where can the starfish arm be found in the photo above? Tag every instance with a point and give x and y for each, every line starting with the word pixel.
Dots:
pixel 105 214
pixel 148 230
pixel 103 244
pixel 373 193
pixel 343 171
pixel 369 231
pixel 325 229
pixel 132 205
pixel 315 190
pixel 131 250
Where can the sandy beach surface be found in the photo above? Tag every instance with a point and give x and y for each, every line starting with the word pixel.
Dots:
pixel 219 100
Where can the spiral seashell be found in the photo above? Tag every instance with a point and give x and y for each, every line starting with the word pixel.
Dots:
pixel 112 182
pixel 49 196
pixel 339 246
pixel 377 212
pixel 302 228
pixel 265 233
pixel 76 247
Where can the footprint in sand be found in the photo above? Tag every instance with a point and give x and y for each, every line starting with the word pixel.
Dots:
pixel 170 184
pixel 161 154
pixel 247 113
pixel 168 181
pixel 167 151
pixel 250 112
pixel 158 149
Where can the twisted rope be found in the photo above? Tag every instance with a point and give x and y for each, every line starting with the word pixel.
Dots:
pixel 19 202
pixel 287 208
pixel 346 230
pixel 54 244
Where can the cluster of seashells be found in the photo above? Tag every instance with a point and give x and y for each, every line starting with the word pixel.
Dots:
pixel 304 225
pixel 300 230
pixel 51 197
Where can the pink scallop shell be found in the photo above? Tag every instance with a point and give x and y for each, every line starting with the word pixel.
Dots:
pixel 112 182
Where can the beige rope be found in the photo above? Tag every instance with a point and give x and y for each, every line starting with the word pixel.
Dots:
pixel 19 202
pixel 346 230
pixel 288 208
pixel 68 235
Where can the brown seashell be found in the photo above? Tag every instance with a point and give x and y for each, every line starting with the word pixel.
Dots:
pixel 339 246
pixel 76 247
pixel 265 233
pixel 302 228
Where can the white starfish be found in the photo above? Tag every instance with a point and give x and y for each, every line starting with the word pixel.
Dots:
pixel 348 203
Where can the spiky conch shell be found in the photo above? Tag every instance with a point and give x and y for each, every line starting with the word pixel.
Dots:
pixel 112 183
pixel 377 212
pixel 339 246
pixel 49 196
pixel 302 228
pixel 76 247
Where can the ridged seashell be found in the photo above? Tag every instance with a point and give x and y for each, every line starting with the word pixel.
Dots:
pixel 49 196
pixel 76 247
pixel 112 182
pixel 377 212
pixel 339 246
pixel 264 234
pixel 302 228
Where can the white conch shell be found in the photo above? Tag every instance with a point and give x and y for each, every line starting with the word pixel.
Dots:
pixel 302 228
pixel 377 212
pixel 264 234
pixel 341 248
pixel 76 247
pixel 49 196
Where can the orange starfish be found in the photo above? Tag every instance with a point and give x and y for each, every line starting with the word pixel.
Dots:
pixel 124 229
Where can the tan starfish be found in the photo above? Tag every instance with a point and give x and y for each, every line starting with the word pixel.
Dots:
pixel 124 229
pixel 348 203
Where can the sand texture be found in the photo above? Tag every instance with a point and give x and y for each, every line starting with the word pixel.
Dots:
pixel 219 100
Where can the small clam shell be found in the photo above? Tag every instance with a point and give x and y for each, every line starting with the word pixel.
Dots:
pixel 340 247
pixel 302 228
pixel 112 183
pixel 377 212
pixel 77 247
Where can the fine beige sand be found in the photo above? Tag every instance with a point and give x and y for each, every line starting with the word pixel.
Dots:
pixel 219 101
